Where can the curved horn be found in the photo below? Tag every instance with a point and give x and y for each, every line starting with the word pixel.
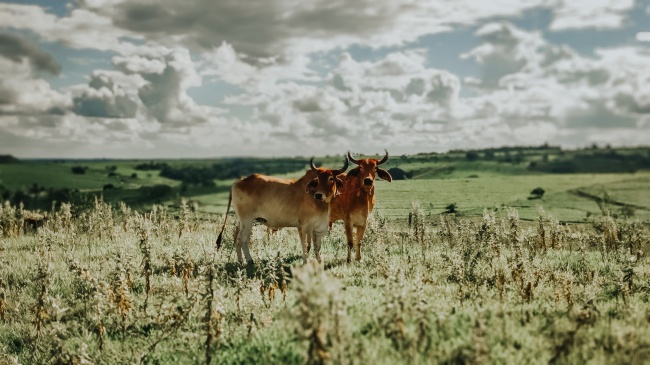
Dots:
pixel 311 164
pixel 383 159
pixel 352 159
pixel 341 170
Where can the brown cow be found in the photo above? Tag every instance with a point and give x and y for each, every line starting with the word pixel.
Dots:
pixel 302 203
pixel 357 199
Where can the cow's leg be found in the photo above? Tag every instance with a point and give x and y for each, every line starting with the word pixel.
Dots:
pixel 317 237
pixel 305 245
pixel 244 239
pixel 236 234
pixel 238 238
pixel 348 235
pixel 360 231
pixel 307 238
pixel 310 239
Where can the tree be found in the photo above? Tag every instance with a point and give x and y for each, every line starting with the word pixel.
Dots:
pixel 79 170
pixel 537 193
pixel 398 174
pixel 451 208
pixel 472 156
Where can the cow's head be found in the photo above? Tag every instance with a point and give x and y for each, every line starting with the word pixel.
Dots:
pixel 367 169
pixel 326 183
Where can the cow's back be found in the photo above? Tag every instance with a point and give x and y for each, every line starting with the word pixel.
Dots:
pixel 277 201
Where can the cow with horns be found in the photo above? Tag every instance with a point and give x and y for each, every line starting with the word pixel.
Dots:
pixel 302 203
pixel 357 199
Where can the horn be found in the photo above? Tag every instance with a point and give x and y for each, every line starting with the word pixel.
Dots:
pixel 352 159
pixel 311 163
pixel 341 170
pixel 383 159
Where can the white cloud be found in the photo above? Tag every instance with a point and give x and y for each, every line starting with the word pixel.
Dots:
pixel 104 98
pixel 285 29
pixel 643 36
pixel 81 29
pixel 555 86
pixel 505 50
pixel 571 14
pixel 168 74
pixel 23 93
pixel 530 91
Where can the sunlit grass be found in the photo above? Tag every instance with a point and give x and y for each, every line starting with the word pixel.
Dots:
pixel 486 289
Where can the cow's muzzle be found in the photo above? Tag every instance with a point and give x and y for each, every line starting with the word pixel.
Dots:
pixel 367 182
pixel 319 196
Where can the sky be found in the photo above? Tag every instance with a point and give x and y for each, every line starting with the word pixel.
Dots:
pixel 216 78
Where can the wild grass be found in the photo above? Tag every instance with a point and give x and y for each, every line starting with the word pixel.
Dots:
pixel 113 285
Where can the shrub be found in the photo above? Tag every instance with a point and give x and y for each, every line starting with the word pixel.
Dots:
pixel 398 174
pixel 79 170
pixel 451 208
pixel 537 193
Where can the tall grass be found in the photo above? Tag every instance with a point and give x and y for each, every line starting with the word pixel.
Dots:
pixel 112 285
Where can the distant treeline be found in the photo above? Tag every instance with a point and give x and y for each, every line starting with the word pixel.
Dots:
pixel 39 197
pixel 225 169
pixel 150 166
pixel 490 152
pixel 8 159
pixel 598 161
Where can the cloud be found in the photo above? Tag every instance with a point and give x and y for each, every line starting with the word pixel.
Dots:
pixel 600 14
pixel 382 101
pixel 81 29
pixel 284 29
pixel 21 92
pixel 72 135
pixel 168 75
pixel 290 93
pixel 505 50
pixel 104 99
pixel 555 86
pixel 18 49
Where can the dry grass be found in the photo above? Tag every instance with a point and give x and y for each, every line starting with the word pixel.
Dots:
pixel 111 285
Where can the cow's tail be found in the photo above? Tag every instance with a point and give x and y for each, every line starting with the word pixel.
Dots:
pixel 225 219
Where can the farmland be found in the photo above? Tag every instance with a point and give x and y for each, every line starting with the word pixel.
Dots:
pixel 561 278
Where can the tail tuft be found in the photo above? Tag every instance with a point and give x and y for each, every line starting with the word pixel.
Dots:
pixel 219 240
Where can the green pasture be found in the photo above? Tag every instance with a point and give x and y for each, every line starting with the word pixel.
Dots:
pixel 473 195
pixel 59 175
pixel 436 182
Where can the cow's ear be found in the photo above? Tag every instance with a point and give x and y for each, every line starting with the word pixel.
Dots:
pixel 339 184
pixel 312 185
pixel 355 171
pixel 384 175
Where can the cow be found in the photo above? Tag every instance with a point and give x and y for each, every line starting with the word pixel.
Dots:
pixel 303 203
pixel 355 203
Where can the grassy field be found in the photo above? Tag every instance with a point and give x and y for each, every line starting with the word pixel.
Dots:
pixel 115 286
pixel 494 179
pixel 59 175
pixel 561 279
pixel 473 195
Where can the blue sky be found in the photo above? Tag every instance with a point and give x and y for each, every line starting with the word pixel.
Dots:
pixel 128 78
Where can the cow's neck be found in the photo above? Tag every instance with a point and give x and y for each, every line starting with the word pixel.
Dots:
pixel 361 192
